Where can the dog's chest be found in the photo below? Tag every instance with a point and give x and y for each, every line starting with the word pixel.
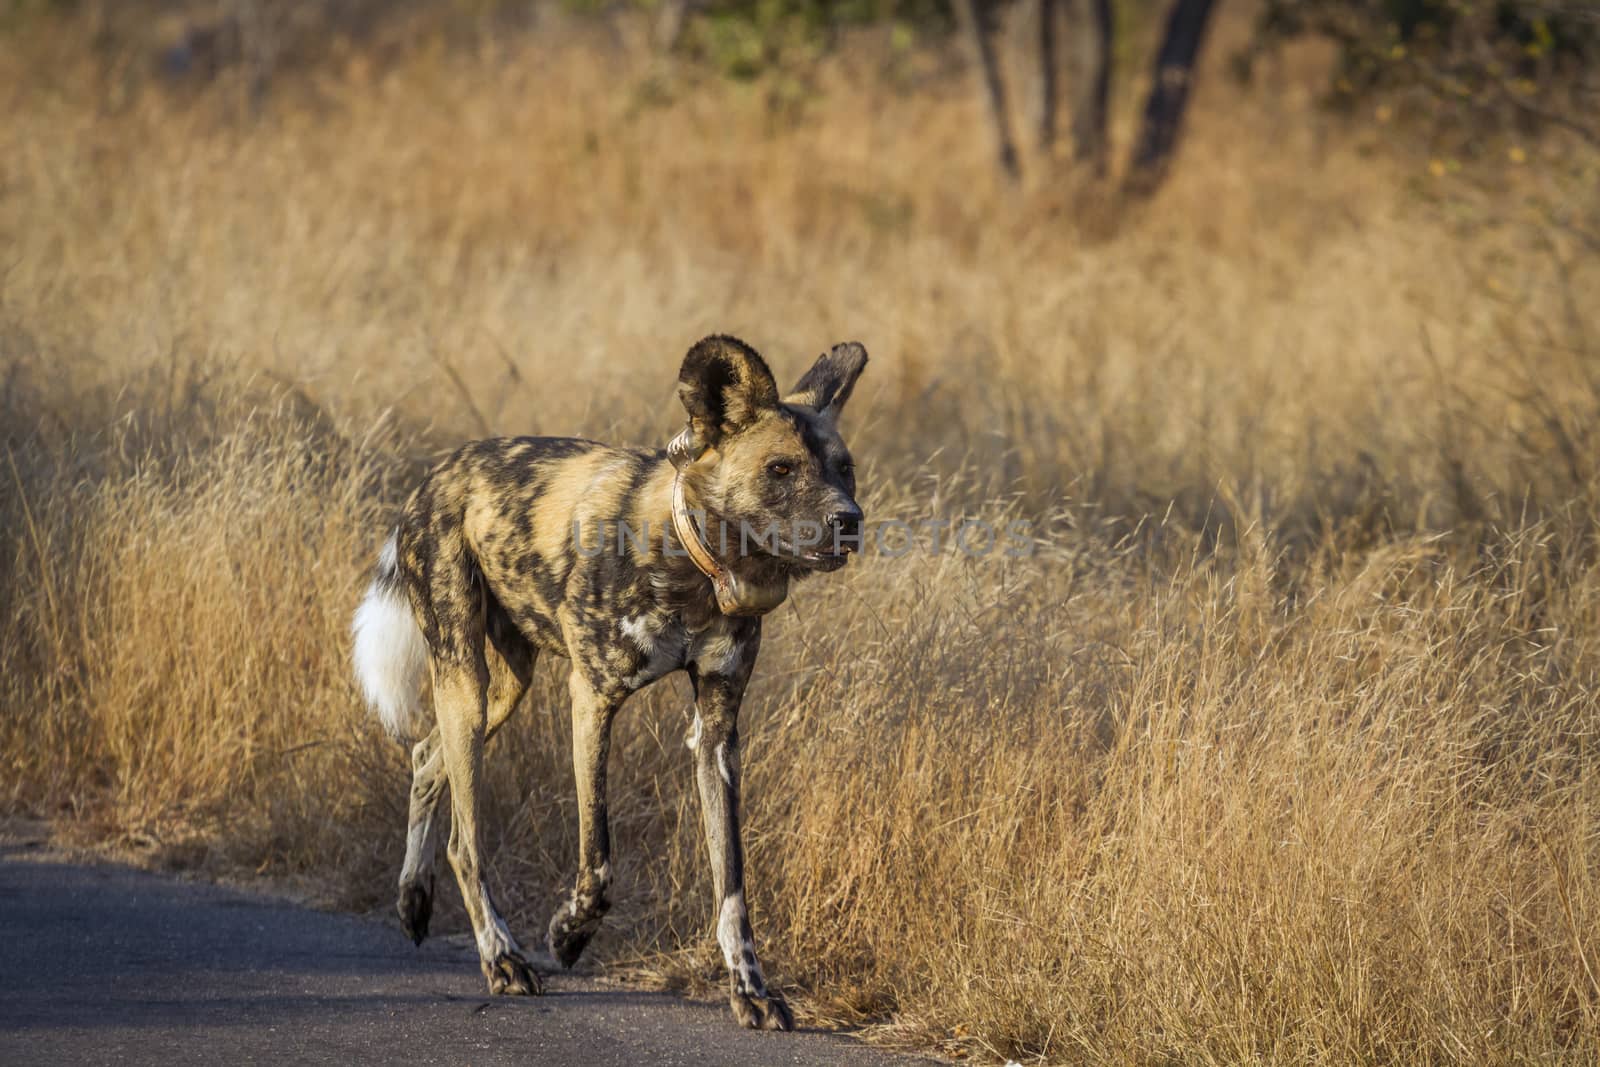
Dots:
pixel 655 643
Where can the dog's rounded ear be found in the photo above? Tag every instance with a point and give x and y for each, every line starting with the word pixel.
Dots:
pixel 724 385
pixel 826 386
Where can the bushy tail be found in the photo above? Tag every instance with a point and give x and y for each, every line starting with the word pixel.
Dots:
pixel 390 654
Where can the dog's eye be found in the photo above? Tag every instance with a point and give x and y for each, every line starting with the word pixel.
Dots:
pixel 847 468
pixel 780 469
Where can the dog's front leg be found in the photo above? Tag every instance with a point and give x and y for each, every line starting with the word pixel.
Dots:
pixel 715 740
pixel 576 921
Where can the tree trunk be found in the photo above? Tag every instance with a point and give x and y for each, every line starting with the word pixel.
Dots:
pixel 669 23
pixel 973 14
pixel 1046 31
pixel 1089 118
pixel 1169 93
pixel 256 49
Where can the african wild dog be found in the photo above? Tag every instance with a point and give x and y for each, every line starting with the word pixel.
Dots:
pixel 512 546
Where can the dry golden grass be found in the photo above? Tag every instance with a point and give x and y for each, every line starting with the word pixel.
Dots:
pixel 1281 748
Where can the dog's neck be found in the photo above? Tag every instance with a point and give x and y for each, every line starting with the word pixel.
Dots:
pixel 739 587
pixel 736 594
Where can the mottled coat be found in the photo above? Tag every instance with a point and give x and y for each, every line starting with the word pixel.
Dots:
pixel 515 546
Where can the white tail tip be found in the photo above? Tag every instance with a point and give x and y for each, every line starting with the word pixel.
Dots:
pixel 389 652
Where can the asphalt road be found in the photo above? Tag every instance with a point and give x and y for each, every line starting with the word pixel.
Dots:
pixel 103 964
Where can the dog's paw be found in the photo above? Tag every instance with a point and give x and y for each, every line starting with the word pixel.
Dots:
pixel 568 942
pixel 770 1012
pixel 510 976
pixel 415 907
pixel 570 931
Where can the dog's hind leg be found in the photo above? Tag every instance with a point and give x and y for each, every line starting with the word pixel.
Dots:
pixel 576 921
pixel 422 838
pixel 455 626
pixel 510 661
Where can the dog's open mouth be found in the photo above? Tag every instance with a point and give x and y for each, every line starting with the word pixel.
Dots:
pixel 824 557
